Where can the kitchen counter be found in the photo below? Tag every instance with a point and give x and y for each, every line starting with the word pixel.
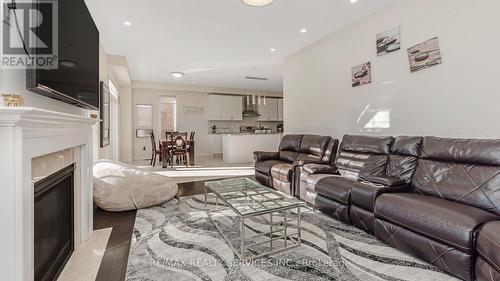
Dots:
pixel 239 148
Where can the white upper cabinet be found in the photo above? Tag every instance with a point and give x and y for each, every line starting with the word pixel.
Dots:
pixel 280 109
pixel 236 108
pixel 214 107
pixel 269 112
pixel 225 108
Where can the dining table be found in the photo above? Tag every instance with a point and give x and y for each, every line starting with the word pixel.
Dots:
pixel 165 144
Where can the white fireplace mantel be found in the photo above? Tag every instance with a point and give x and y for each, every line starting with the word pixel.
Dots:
pixel 26 133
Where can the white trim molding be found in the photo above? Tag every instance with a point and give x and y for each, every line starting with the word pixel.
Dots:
pixel 26 133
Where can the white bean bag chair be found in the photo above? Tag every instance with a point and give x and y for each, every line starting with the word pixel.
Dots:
pixel 121 187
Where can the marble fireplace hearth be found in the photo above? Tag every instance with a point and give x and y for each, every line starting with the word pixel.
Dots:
pixel 35 143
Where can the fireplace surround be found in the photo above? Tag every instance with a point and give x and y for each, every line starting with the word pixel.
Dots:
pixel 27 134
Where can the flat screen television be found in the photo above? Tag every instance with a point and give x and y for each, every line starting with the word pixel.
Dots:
pixel 76 79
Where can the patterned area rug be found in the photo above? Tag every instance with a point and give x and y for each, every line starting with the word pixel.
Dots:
pixel 176 241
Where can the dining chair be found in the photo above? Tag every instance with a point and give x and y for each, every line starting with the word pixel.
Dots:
pixel 154 150
pixel 168 135
pixel 180 148
pixel 191 139
pixel 169 147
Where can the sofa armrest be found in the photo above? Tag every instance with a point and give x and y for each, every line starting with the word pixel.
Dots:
pixel 364 193
pixel 384 180
pixel 314 169
pixel 298 167
pixel 260 156
pixel 302 162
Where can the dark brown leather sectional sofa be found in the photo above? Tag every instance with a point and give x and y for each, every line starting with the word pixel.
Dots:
pixel 437 199
pixel 281 170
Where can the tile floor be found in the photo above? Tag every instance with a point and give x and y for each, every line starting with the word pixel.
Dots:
pixel 84 263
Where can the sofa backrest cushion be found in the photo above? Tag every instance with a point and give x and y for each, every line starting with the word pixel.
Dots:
pixel 331 152
pixel 314 148
pixel 465 151
pixel 366 144
pixel 404 156
pixel 363 156
pixel 288 156
pixel 314 145
pixel 291 143
pixel 289 147
pixel 460 170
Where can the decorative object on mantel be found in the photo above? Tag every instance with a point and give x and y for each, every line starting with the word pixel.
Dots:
pixel 362 74
pixel 94 115
pixel 424 55
pixel 13 100
pixel 104 112
pixel 195 110
pixel 389 41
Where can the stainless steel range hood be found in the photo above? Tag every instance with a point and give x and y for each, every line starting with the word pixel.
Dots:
pixel 250 108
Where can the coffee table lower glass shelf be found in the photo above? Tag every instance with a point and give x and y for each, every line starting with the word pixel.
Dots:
pixel 248 202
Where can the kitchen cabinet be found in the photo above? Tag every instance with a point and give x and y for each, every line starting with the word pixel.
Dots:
pixel 280 110
pixel 269 111
pixel 214 107
pixel 236 108
pixel 225 108
pixel 215 145
pixel 225 113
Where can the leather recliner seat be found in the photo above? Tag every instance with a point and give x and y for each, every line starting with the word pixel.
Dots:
pixel 401 165
pixel 279 169
pixel 455 189
pixel 329 189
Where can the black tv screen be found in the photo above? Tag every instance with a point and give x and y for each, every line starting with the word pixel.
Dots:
pixel 76 79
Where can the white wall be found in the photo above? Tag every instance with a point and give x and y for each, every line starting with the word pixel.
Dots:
pixel 104 75
pixel 125 132
pixel 460 98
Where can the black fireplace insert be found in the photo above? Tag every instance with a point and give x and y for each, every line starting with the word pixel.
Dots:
pixel 54 224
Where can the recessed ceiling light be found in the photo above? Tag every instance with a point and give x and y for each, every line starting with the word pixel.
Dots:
pixel 177 74
pixel 303 30
pixel 257 3
pixel 194 82
pixel 353 1
pixel 272 50
pixel 127 23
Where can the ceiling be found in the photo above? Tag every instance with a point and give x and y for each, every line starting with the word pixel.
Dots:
pixel 218 42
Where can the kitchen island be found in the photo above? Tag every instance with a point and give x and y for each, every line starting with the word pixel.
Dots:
pixel 239 148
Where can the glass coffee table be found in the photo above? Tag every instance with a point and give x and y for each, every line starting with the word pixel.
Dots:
pixel 249 199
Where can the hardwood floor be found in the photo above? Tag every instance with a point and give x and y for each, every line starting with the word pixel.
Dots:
pixel 114 262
